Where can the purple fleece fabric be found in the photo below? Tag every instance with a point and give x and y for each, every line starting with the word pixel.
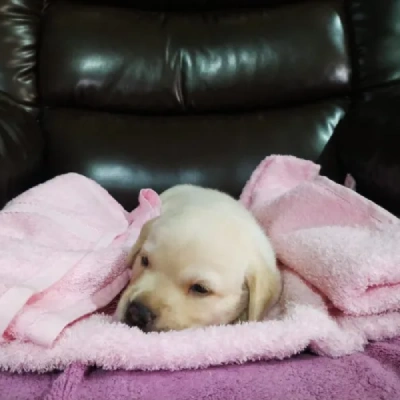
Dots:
pixel 374 374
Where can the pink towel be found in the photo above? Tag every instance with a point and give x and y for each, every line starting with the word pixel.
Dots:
pixel 351 243
pixel 340 263
pixel 62 255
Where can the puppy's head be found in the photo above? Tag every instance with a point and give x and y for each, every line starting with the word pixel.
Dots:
pixel 197 270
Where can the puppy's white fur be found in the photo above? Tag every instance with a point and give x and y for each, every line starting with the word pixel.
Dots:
pixel 202 237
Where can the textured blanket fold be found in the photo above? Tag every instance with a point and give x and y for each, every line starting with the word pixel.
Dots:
pixel 371 375
pixel 351 243
pixel 62 255
pixel 340 263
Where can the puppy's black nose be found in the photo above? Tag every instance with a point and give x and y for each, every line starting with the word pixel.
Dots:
pixel 137 314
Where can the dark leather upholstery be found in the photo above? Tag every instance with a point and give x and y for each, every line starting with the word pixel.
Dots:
pixel 160 63
pixel 152 93
pixel 127 152
pixel 366 144
pixel 376 37
pixel 21 150
pixel 20 22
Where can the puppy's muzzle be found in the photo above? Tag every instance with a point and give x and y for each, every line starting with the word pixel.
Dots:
pixel 140 316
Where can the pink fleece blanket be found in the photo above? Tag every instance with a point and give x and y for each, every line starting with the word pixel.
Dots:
pixel 63 247
pixel 339 256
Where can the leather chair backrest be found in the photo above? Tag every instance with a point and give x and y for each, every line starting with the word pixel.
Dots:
pixel 149 94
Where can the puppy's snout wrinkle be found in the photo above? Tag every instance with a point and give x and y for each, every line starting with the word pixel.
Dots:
pixel 140 316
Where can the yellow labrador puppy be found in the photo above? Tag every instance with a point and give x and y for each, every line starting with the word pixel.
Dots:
pixel 203 261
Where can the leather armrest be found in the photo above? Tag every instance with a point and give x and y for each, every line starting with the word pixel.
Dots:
pixel 366 145
pixel 331 165
pixel 21 150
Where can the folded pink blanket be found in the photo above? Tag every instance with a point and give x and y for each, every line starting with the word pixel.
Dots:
pixel 62 255
pixel 340 262
pixel 350 241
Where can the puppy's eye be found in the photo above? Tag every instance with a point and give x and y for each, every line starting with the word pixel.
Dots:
pixel 144 261
pixel 199 289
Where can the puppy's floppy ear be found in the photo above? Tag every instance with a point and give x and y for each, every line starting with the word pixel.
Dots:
pixel 264 286
pixel 144 232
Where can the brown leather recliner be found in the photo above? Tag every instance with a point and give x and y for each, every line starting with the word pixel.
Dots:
pixel 151 93
pixel 148 94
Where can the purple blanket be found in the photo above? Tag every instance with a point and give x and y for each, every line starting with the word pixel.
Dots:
pixel 374 374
